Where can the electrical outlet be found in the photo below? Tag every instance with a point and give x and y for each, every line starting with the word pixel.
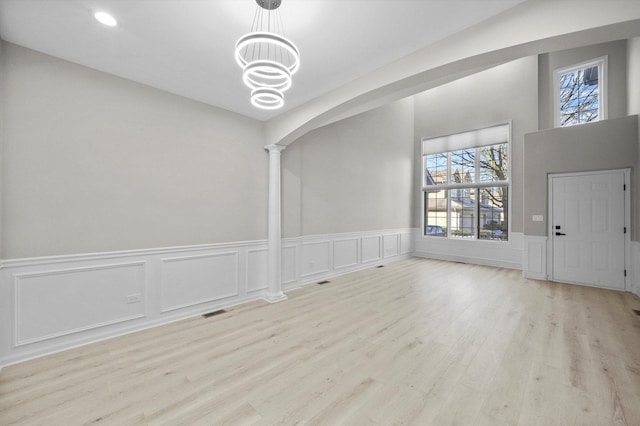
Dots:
pixel 134 298
pixel 538 218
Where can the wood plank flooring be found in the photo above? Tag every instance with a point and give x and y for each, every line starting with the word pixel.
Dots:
pixel 419 341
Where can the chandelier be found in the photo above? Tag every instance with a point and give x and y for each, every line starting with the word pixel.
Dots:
pixel 267 58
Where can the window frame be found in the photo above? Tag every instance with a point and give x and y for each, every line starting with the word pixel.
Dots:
pixel 602 64
pixel 477 185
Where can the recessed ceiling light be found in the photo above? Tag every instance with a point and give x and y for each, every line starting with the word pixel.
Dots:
pixel 106 19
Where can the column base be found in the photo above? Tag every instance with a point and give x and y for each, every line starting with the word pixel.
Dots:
pixel 274 298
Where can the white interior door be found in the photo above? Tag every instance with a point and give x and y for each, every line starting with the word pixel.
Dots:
pixel 588 229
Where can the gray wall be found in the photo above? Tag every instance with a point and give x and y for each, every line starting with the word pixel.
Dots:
pixel 616 53
pixel 633 75
pixel 633 107
pixel 603 145
pixel 506 92
pixel 97 163
pixel 352 175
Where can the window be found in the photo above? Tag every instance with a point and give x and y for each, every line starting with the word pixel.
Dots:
pixel 466 185
pixel 580 93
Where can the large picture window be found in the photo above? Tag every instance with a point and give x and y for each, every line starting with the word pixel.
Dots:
pixel 466 185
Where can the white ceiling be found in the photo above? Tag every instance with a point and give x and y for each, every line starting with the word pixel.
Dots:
pixel 186 46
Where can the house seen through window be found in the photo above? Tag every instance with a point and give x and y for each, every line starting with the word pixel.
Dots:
pixel 466 184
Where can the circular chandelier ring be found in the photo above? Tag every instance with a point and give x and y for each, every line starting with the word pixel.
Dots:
pixel 269 38
pixel 267 98
pixel 267 74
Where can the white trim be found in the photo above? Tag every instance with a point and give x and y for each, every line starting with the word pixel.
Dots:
pixel 41 260
pixel 154 311
pixel 603 82
pixel 534 257
pixel 506 254
pixel 169 308
pixel 247 267
pixel 627 220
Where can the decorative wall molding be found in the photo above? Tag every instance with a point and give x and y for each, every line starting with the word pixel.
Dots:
pixel 75 299
pixel 315 257
pixel 534 260
pixel 371 247
pixel 502 254
pixel 325 256
pixel 49 304
pixel 194 280
pixel 345 253
pixel 390 245
pixel 256 269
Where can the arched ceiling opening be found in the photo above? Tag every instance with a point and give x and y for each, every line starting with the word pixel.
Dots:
pixel 533 27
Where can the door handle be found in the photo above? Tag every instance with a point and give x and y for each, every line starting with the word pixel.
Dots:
pixel 560 233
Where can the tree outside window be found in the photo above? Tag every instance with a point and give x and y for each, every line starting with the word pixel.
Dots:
pixel 579 93
pixel 473 204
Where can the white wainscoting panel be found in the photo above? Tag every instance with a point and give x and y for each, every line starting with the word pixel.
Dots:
pixel 54 303
pixel 371 248
pixel 289 264
pixel 345 253
pixel 316 257
pixel 502 254
pixel 193 280
pixel 257 269
pixel 330 255
pixel 534 259
pixel 406 242
pixel 58 302
pixel 390 244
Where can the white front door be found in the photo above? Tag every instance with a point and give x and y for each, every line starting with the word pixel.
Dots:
pixel 588 228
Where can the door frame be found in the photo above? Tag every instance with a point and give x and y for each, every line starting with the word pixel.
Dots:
pixel 627 220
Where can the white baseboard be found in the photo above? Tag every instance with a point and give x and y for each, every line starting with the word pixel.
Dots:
pixel 50 304
pixel 501 254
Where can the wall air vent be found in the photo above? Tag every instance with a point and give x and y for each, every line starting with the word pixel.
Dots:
pixel 214 313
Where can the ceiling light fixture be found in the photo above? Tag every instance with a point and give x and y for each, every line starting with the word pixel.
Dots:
pixel 268 59
pixel 106 19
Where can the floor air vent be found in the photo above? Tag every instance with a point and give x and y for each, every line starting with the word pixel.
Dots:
pixel 323 282
pixel 380 266
pixel 211 314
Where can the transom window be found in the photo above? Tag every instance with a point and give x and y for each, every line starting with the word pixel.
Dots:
pixel 580 93
pixel 466 184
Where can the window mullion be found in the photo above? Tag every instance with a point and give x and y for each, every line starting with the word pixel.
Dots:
pixel 477 213
pixel 448 194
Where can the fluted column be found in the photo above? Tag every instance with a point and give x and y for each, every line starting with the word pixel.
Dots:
pixel 274 284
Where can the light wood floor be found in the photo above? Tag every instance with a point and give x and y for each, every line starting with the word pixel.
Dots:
pixel 416 342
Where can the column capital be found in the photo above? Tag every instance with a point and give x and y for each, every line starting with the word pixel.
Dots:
pixel 274 147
